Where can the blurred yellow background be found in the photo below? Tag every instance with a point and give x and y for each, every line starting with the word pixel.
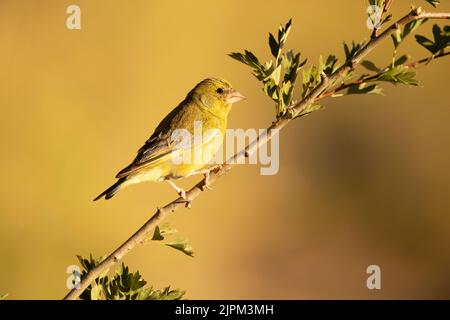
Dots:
pixel 363 182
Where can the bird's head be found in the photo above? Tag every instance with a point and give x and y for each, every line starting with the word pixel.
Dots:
pixel 216 95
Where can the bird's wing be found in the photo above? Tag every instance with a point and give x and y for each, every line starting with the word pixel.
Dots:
pixel 159 145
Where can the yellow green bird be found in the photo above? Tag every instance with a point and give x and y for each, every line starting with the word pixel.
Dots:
pixel 168 154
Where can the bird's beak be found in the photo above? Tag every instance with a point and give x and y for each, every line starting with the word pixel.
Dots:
pixel 234 96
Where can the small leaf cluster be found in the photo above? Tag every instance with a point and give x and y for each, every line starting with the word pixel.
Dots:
pixel 441 40
pixel 279 74
pixel 434 3
pixel 179 243
pixel 312 75
pixel 400 34
pixel 124 285
pixel 350 51
pixel 399 72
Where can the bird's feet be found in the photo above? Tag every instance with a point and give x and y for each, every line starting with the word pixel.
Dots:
pixel 206 182
pixel 181 193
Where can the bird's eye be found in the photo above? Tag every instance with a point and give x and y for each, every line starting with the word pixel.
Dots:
pixel 220 90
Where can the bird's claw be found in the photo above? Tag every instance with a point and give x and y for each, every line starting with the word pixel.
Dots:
pixel 206 184
pixel 181 193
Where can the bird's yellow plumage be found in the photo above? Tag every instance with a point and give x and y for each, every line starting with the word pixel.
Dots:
pixel 165 155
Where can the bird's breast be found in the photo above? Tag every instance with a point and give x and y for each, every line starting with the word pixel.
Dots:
pixel 201 152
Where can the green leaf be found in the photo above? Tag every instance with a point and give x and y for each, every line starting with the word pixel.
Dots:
pixel 283 33
pixel 89 264
pixel 274 46
pixel 268 66
pixel 270 89
pixel 247 58
pixel 302 63
pixel 346 51
pixel 163 231
pixel 447 31
pixel 292 65
pixel 287 91
pixel 182 246
pixel 411 26
pixel 238 56
pixel 437 34
pixel 310 78
pixel 163 294
pixel 441 39
pixel 253 59
pixel 434 3
pixel 351 51
pixel 400 34
pixel 157 234
pixel 330 65
pixel 95 292
pixel 401 60
pixel 364 89
pixel 369 65
pixel 397 37
pixel 314 107
pixel 399 74
pixel 426 43
pixel 276 74
pixel 311 108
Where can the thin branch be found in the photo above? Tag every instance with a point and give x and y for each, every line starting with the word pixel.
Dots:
pixel 386 7
pixel 416 63
pixel 295 109
pixel 346 85
pixel 434 15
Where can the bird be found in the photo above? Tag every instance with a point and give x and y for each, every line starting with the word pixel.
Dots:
pixel 170 153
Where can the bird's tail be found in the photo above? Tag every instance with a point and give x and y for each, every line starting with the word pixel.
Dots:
pixel 111 191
